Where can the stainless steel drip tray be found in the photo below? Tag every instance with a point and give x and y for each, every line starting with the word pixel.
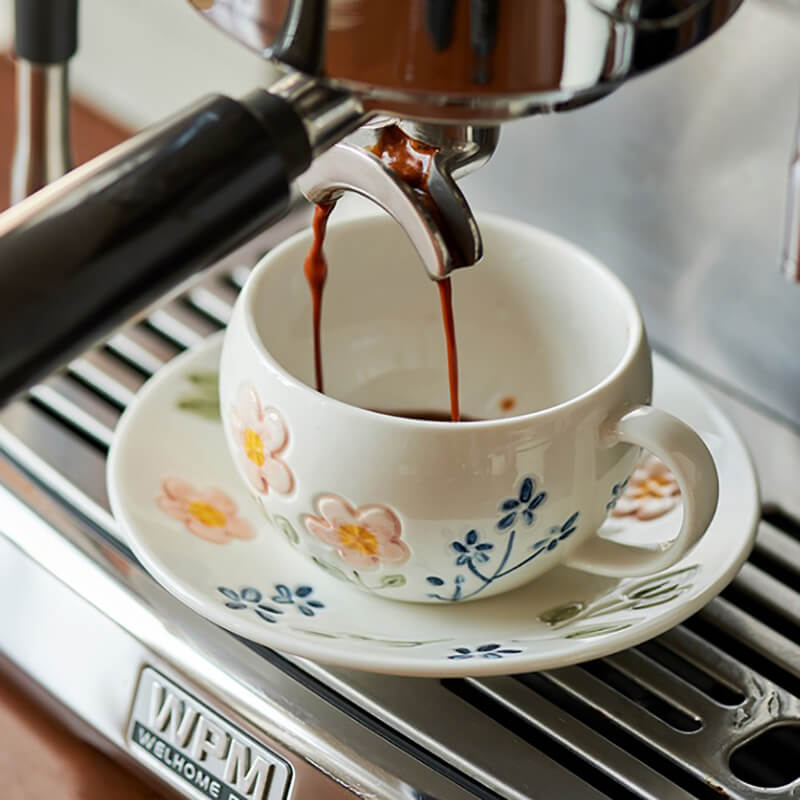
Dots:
pixel 681 716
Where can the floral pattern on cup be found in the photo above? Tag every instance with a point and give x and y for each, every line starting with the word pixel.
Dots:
pixel 363 537
pixel 492 650
pixel 209 514
pixel 520 508
pixel 484 561
pixel 471 549
pixel 262 437
pixel 479 560
pixel 557 534
pixel 651 492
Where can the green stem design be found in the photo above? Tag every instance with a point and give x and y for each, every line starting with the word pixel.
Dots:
pixel 204 400
pixel 360 637
pixel 654 590
pixel 386 581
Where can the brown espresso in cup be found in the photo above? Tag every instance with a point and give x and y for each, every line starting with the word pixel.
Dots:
pixel 430 415
pixel 411 160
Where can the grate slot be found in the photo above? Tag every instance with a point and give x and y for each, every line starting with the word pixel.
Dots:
pixel 783 521
pixel 143 348
pixel 749 641
pixel 102 372
pixel 182 324
pixel 544 685
pixel 75 396
pixel 63 401
pixel 213 299
pixel 56 453
pixel 237 277
pixel 470 693
pixel 655 704
pixel 766 599
pixel 573 734
pixel 710 685
pixel 778 554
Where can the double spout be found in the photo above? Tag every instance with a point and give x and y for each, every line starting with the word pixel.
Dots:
pixel 409 170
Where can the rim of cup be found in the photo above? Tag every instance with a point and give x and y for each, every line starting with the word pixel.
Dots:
pixel 262 270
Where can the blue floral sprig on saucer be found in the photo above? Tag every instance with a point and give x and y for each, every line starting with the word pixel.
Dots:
pixel 489 561
pixel 251 598
pixel 300 598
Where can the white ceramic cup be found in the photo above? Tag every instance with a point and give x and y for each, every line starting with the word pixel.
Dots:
pixel 435 511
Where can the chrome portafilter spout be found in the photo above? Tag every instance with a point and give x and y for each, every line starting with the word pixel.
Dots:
pixel 439 223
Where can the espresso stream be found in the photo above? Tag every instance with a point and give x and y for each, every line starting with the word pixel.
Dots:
pixel 411 160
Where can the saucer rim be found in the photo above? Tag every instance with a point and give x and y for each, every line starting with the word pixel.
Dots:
pixel 392 663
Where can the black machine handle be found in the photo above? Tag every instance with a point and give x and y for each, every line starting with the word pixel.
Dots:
pixel 92 249
pixel 46 31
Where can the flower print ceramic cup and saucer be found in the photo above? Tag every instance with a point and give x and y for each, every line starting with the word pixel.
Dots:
pixel 434 511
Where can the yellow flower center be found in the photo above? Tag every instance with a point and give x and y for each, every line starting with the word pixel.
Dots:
pixel 354 537
pixel 207 514
pixel 651 487
pixel 254 447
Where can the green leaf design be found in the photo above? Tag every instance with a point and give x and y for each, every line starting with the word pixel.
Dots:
pixel 287 529
pixel 360 637
pixel 320 634
pixel 330 569
pixel 201 406
pixel 391 642
pixel 204 402
pixel 562 613
pixel 660 600
pixel 653 591
pixel 207 379
pixel 598 630
pixel 392 581
pixel 653 585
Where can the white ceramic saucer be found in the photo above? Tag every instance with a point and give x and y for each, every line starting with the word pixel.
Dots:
pixel 169 471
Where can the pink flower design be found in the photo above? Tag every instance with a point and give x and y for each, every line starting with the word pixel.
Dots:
pixel 652 491
pixel 262 437
pixel 207 513
pixel 363 537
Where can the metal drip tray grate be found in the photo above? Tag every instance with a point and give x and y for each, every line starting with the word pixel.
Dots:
pixel 681 716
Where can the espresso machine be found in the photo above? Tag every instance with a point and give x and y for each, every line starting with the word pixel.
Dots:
pixel 133 229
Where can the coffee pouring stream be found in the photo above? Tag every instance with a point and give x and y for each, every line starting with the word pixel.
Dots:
pixel 412 179
pixel 98 246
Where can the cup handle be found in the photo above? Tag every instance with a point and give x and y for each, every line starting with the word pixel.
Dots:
pixel 684 452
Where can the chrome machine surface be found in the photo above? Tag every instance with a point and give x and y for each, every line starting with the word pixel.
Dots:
pixel 471 61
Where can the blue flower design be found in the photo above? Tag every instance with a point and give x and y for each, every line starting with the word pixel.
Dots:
pixel 522 505
pixel 617 490
pixel 482 651
pixel 248 597
pixel 300 598
pixel 557 534
pixel 471 549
